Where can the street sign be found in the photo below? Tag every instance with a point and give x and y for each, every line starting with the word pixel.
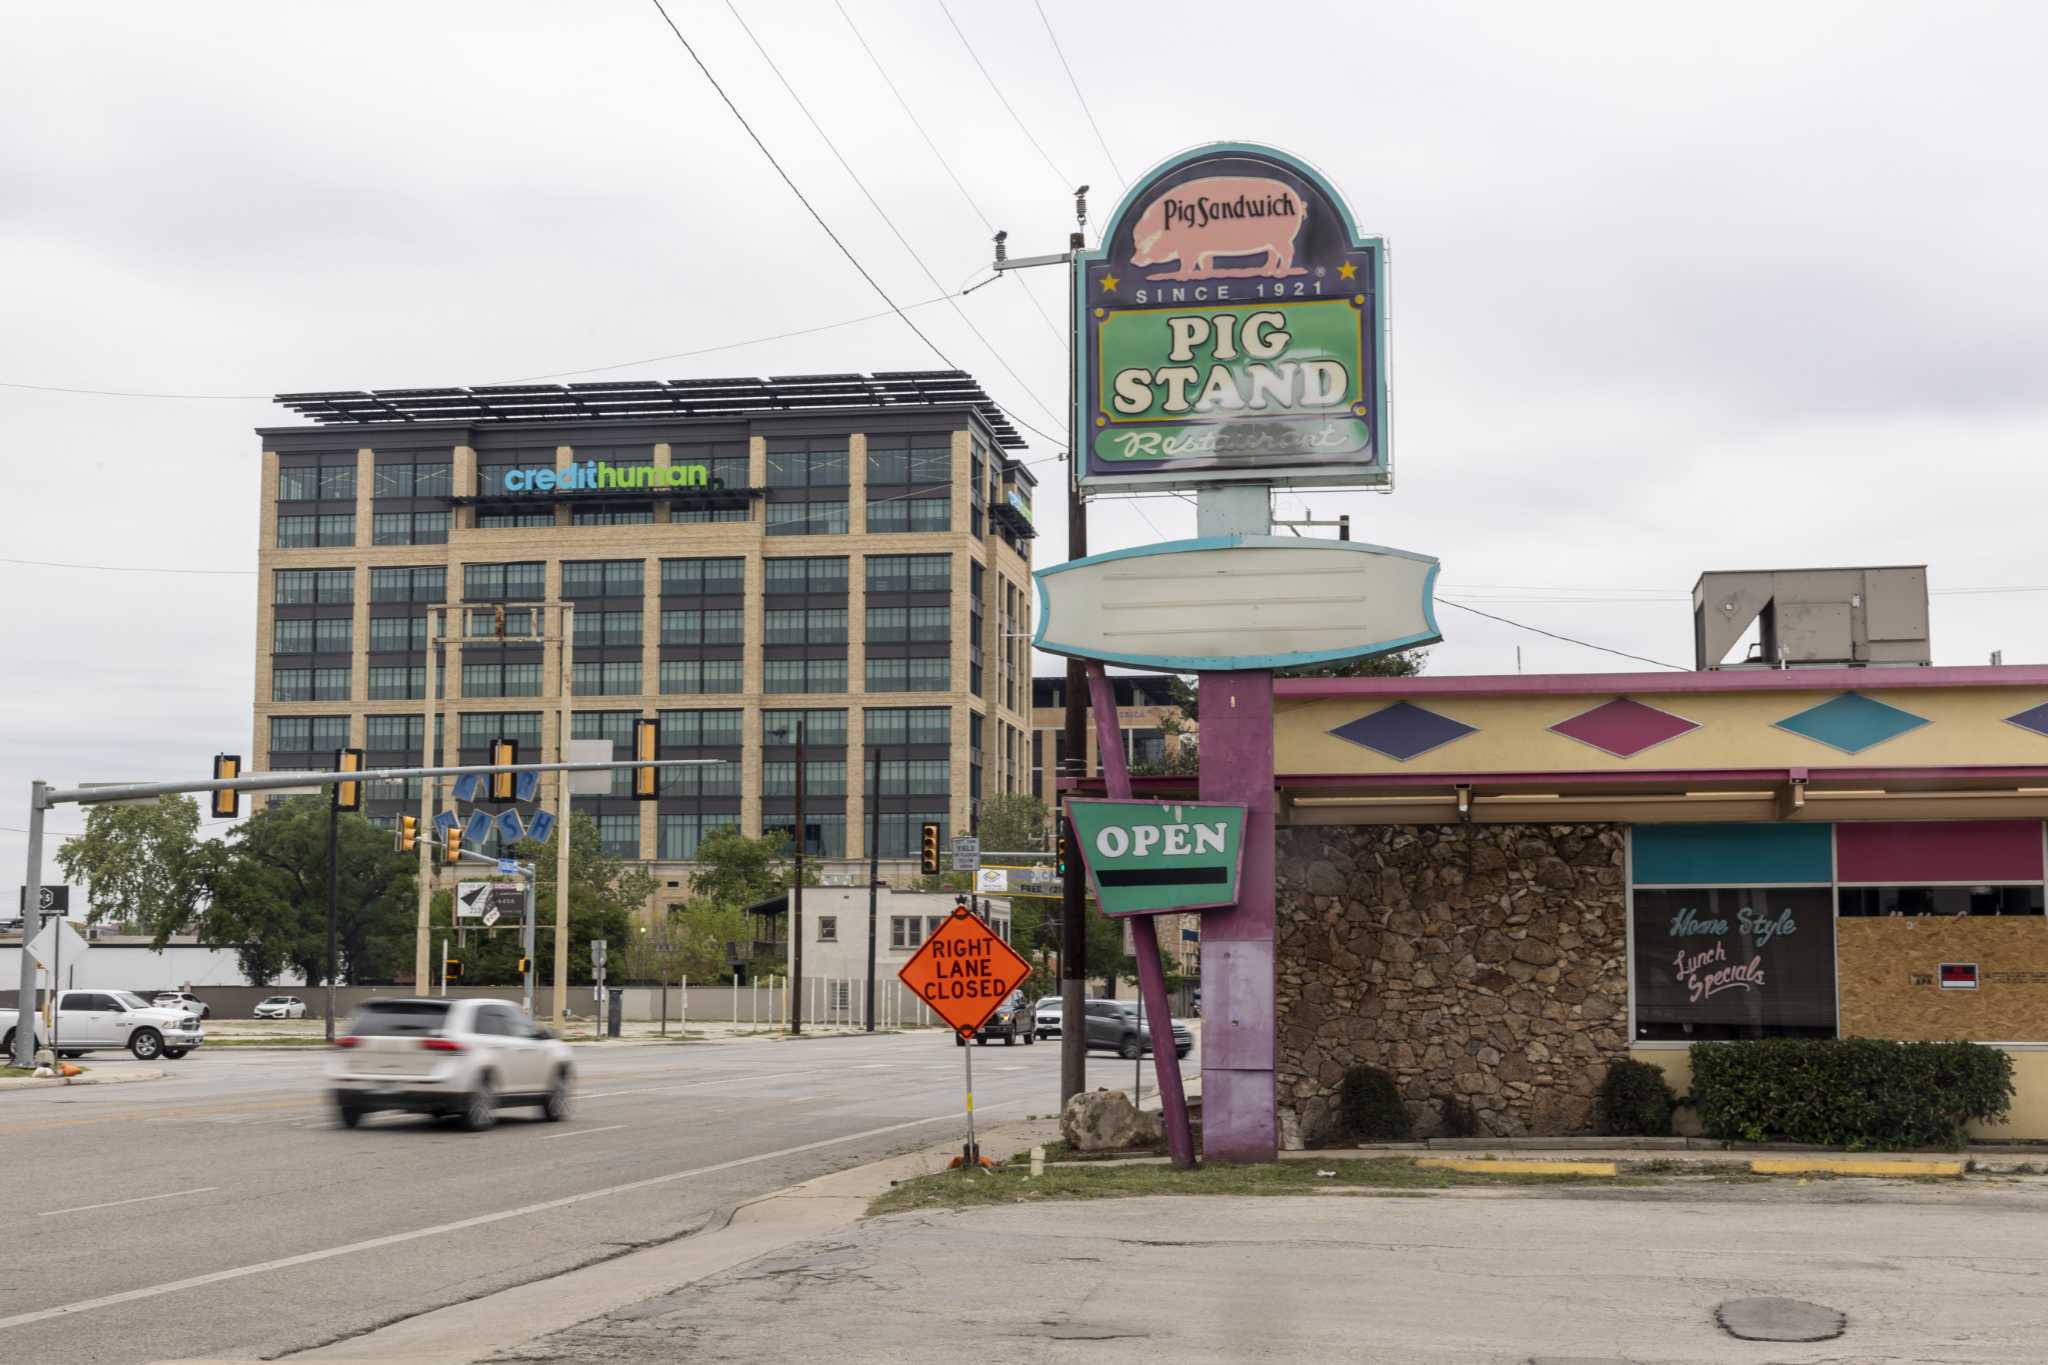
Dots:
pixel 58 942
pixel 472 899
pixel 541 827
pixel 1145 857
pixel 966 853
pixel 1237 602
pixel 991 881
pixel 467 788
pixel 508 867
pixel 510 831
pixel 49 900
pixel 964 971
pixel 444 822
pixel 477 829
pixel 490 917
pixel 597 782
pixel 527 787
pixel 597 952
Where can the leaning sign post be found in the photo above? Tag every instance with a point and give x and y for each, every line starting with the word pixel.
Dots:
pixel 963 972
pixel 1229 338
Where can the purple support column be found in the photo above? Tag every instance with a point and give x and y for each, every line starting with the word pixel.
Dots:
pixel 1239 1118
pixel 1116 780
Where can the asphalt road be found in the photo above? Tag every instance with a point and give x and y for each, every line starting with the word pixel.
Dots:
pixel 222 1211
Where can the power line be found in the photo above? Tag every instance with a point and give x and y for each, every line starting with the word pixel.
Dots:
pixel 999 94
pixel 947 166
pixel 883 213
pixel 118 568
pixel 128 393
pixel 1100 140
pixel 1538 630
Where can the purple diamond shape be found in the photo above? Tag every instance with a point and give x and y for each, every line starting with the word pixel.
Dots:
pixel 1402 731
pixel 1624 728
pixel 2034 718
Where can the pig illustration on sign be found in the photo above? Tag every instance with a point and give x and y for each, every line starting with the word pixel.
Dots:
pixel 1227 215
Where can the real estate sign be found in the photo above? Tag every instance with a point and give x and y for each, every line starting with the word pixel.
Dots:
pixel 1151 857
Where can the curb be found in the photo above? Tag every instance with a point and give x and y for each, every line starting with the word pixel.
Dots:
pixel 1513 1167
pixel 56 1082
pixel 1854 1166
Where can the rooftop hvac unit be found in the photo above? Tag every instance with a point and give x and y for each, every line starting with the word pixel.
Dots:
pixel 1812 618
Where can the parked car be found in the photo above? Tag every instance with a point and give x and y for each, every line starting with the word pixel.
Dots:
pixel 1046 1017
pixel 461 1059
pixel 184 1000
pixel 108 1021
pixel 281 1007
pixel 1012 1020
pixel 1114 1024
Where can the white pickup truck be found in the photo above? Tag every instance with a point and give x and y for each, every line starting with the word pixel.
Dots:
pixel 102 1021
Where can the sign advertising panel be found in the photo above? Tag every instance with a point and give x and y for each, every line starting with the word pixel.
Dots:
pixel 1231 329
pixel 964 971
pixel 1237 602
pixel 1149 857
pixel 1734 963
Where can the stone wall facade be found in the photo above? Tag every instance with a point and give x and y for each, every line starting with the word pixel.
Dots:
pixel 1483 966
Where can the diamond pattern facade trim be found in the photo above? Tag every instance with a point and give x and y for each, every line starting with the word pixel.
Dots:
pixel 1624 728
pixel 2034 718
pixel 1852 722
pixel 1402 731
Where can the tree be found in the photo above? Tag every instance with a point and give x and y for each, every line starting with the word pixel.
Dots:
pixel 268 889
pixel 605 891
pixel 657 956
pixel 734 872
pixel 1014 822
pixel 143 864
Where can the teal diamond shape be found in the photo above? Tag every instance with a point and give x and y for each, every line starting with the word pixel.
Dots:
pixel 1852 722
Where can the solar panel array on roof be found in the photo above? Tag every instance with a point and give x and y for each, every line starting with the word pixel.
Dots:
pixel 630 398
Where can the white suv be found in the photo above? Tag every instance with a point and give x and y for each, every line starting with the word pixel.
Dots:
pixel 451 1058
pixel 183 1000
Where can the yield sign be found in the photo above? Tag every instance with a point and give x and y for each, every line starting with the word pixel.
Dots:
pixel 964 970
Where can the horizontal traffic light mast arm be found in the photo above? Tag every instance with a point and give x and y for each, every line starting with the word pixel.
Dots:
pixel 255 782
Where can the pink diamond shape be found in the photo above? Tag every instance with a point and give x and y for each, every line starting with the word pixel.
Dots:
pixel 1624 728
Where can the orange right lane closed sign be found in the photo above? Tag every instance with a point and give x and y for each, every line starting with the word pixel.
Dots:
pixel 964 971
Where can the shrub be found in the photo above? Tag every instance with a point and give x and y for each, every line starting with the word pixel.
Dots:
pixel 1859 1093
pixel 1369 1107
pixel 1455 1117
pixel 1635 1100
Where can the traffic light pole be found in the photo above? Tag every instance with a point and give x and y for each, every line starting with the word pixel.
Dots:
pixel 796 895
pixel 333 916
pixel 874 867
pixel 1074 887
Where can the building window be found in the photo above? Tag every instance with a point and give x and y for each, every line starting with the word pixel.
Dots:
pixel 497 679
pixel 691 577
pixel 910 514
pixel 429 480
pixel 479 728
pixel 822 777
pixel 697 627
pixel 807 626
pixel 329 528
pixel 409 528
pixel 923 460
pixel 708 779
pixel 398 683
pixel 603 577
pixel 332 480
pixel 502 520
pixel 298 587
pixel 900 831
pixel 291 636
pixel 303 734
pixel 680 835
pixel 910 573
pixel 701 729
pixel 807 519
pixel 428 583
pixel 619 835
pixel 522 582
pixel 824 834
pixel 804 675
pixel 616 628
pixel 906 931
pixel 309 684
pixel 828 928
pixel 389 634
pixel 700 675
pixel 824 576
pixel 908 675
pixel 729 468
pixel 608 679
pixel 1858 902
pixel 394 734
pixel 823 726
pixel 896 625
pixel 1723 962
pixel 818 463
pixel 909 725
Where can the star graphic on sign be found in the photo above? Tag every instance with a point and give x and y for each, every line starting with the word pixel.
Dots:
pixel 1347 271
pixel 1109 284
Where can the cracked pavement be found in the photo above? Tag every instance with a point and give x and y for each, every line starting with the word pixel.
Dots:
pixel 1949 1273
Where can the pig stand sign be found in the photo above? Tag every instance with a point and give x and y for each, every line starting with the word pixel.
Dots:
pixel 1231 329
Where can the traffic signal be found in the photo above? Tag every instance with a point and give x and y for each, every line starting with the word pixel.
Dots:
pixel 525 965
pixel 504 786
pixel 227 803
pixel 646 739
pixel 348 796
pixel 451 970
pixel 451 845
pixel 1059 856
pixel 408 833
pixel 928 849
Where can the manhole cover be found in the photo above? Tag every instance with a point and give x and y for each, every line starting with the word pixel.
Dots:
pixel 1779 1320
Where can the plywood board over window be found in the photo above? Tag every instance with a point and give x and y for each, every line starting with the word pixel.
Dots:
pixel 1889 969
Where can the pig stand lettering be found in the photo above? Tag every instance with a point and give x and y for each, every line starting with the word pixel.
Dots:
pixel 1229 215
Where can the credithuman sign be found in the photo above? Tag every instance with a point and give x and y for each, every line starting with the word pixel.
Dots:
pixel 596 474
pixel 1230 327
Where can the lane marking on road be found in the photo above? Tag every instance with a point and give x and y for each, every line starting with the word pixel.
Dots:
pixel 582 1132
pixel 699 1085
pixel 116 1203
pixel 461 1225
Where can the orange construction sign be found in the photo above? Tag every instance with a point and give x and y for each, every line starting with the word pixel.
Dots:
pixel 964 971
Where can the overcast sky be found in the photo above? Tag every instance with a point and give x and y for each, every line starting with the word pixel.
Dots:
pixel 1675 289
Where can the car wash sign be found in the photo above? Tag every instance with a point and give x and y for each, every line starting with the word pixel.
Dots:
pixel 1231 329
pixel 1151 857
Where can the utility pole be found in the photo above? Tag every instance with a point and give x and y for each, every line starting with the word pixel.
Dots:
pixel 333 876
pixel 874 866
pixel 566 625
pixel 1074 888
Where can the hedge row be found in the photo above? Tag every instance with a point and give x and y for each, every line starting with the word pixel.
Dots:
pixel 1859 1093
